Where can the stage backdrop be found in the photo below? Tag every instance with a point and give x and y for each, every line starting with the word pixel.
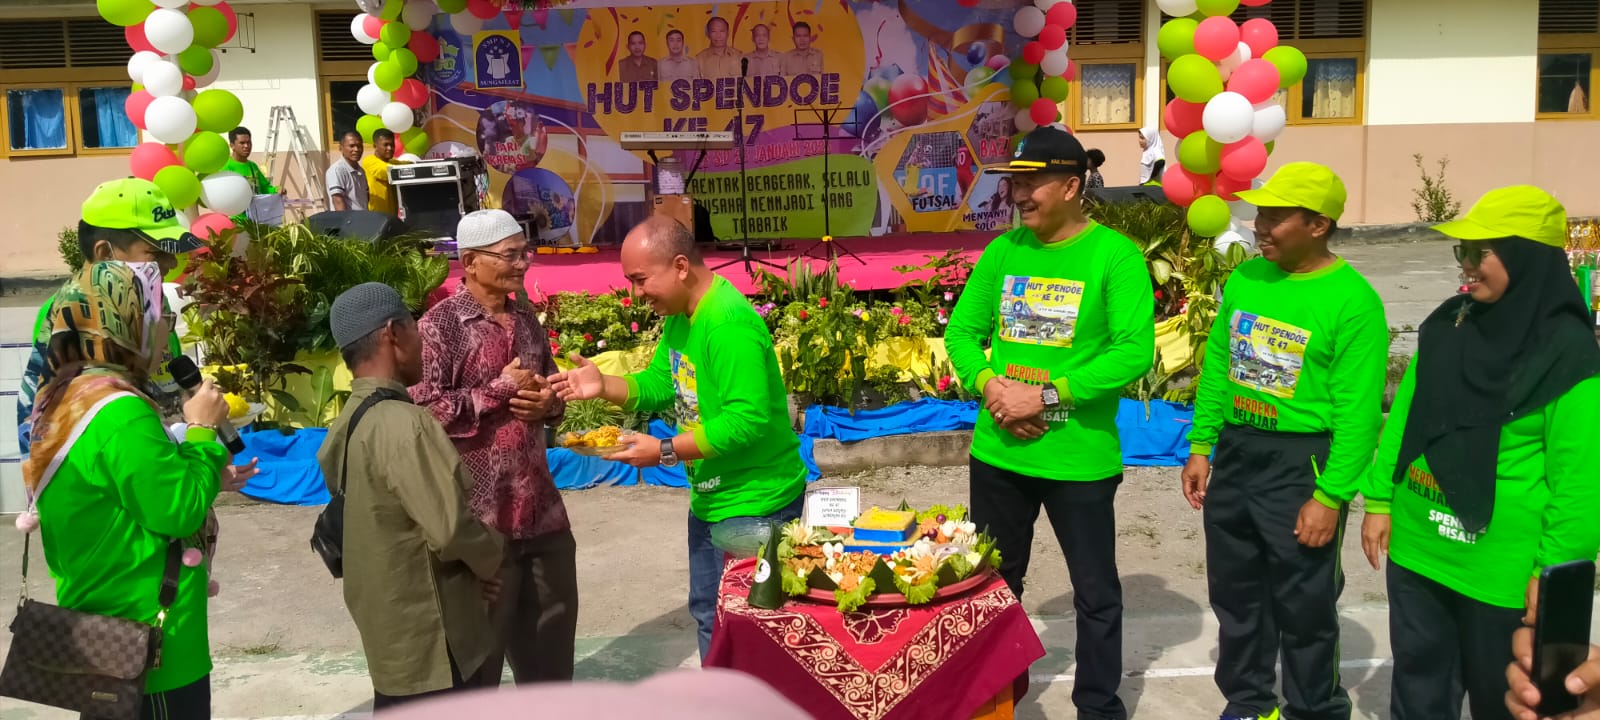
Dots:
pixel 917 93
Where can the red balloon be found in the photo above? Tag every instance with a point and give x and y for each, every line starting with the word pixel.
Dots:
pixel 1063 14
pixel 908 100
pixel 1256 79
pixel 210 225
pixel 1227 187
pixel 1183 117
pixel 1243 160
pixel 1254 3
pixel 1044 111
pixel 399 147
pixel 232 18
pixel 188 82
pixel 1053 37
pixel 1033 52
pixel 135 106
pixel 482 9
pixel 372 25
pixel 412 93
pixel 1216 38
pixel 148 159
pixel 424 46
pixel 1260 34
pixel 136 39
pixel 967 3
pixel 1182 186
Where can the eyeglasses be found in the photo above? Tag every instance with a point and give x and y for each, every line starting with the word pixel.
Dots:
pixel 1472 253
pixel 524 255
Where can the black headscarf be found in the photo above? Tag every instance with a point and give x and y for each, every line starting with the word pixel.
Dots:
pixel 1480 366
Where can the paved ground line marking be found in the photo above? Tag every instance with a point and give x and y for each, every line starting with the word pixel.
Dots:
pixel 1206 671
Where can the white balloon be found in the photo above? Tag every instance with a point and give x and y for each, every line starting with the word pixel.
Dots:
pixel 226 192
pixel 1268 120
pixel 372 72
pixel 1232 62
pixel 1227 238
pixel 174 4
pixel 1055 62
pixel 185 217
pixel 465 23
pixel 1024 121
pixel 1029 21
pixel 208 3
pixel 1228 117
pixel 418 14
pixel 170 120
pixel 410 157
pixel 138 63
pixel 169 30
pixel 371 99
pixel 216 69
pixel 1045 5
pixel 1178 8
pixel 397 117
pixel 358 30
pixel 162 78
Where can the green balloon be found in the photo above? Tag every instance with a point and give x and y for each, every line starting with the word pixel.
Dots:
pixel 392 9
pixel 1015 140
pixel 1291 64
pixel 1209 216
pixel 1023 94
pixel 205 153
pixel 979 75
pixel 380 51
pixel 196 61
pixel 1055 88
pixel 1176 38
pixel 415 140
pixel 1199 154
pixel 179 184
pixel 1194 78
pixel 218 110
pixel 1022 70
pixel 210 27
pixel 388 76
pixel 395 34
pixel 1214 8
pixel 125 13
pixel 1271 145
pixel 367 125
pixel 406 59
pixel 451 7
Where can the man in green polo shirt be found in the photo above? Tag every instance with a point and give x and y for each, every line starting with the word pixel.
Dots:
pixel 242 144
pixel 1066 307
pixel 1290 401
pixel 716 370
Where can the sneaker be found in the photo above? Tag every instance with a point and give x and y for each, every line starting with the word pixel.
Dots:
pixel 1269 716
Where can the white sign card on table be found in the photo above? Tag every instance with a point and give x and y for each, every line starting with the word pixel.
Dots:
pixel 832 506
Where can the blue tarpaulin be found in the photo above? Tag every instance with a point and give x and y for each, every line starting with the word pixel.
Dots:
pixel 289 473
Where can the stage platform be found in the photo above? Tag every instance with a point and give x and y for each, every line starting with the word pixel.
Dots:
pixel 602 271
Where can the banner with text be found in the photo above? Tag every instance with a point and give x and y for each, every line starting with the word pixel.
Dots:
pixel 854 118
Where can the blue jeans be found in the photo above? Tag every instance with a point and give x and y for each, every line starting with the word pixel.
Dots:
pixel 706 560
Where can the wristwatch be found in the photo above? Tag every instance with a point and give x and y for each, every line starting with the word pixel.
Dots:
pixel 669 457
pixel 1051 397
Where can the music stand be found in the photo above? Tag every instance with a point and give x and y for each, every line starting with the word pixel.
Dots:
pixel 744 190
pixel 833 248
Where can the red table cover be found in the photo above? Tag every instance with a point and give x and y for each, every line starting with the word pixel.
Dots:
pixel 940 660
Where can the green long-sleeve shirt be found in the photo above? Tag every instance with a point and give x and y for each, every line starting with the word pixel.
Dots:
pixel 124 491
pixel 717 371
pixel 1546 501
pixel 1298 352
pixel 252 172
pixel 1078 313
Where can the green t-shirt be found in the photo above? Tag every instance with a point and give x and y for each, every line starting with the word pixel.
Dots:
pixel 1298 352
pixel 123 492
pixel 1078 313
pixel 252 172
pixel 717 371
pixel 1546 501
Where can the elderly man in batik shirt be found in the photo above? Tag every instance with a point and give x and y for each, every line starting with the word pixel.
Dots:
pixel 485 362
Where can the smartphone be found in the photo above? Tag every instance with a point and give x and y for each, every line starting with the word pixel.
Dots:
pixel 1561 632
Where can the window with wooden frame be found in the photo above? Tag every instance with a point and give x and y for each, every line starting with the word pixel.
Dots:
pixel 65 82
pixel 342 64
pixel 1569 42
pixel 1107 50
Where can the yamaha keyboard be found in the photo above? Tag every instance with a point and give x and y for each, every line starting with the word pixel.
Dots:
pixel 718 140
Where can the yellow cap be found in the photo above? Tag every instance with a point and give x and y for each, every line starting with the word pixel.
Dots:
pixel 1522 211
pixel 1302 185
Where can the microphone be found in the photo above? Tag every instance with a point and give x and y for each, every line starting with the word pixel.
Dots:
pixel 187 375
pixel 744 67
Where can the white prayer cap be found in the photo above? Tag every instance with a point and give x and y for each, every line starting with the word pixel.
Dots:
pixel 484 228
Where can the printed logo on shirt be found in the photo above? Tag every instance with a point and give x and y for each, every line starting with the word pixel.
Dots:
pixel 686 388
pixel 1266 354
pixel 1422 483
pixel 1039 311
pixel 1037 376
pixel 1255 413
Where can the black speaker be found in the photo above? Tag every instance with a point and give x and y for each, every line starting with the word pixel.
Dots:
pixel 1129 193
pixel 364 225
pixel 702 225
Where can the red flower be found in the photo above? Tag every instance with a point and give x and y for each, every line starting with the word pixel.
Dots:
pixel 555 348
pixel 588 338
pixel 1159 295
pixel 627 301
pixel 803 315
pixel 634 327
pixel 944 383
pixel 895 311
pixel 822 302
pixel 552 333
pixel 905 319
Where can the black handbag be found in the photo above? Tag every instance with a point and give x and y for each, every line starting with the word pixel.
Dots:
pixel 327 535
pixel 93 664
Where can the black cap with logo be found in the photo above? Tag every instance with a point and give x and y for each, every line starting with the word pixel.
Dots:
pixel 1046 149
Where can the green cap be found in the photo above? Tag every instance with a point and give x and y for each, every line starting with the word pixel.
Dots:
pixel 1522 211
pixel 1302 185
pixel 139 206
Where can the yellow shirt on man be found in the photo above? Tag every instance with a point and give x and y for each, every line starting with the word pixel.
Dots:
pixel 380 196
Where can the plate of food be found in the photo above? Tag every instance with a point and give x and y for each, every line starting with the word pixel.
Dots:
pixel 598 442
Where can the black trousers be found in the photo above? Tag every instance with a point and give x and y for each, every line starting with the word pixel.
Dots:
pixel 190 702
pixel 1446 645
pixel 1271 594
pixel 1083 515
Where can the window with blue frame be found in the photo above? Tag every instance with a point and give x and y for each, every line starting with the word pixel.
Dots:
pixel 64 85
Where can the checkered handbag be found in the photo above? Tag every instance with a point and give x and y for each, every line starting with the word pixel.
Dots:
pixel 94 664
